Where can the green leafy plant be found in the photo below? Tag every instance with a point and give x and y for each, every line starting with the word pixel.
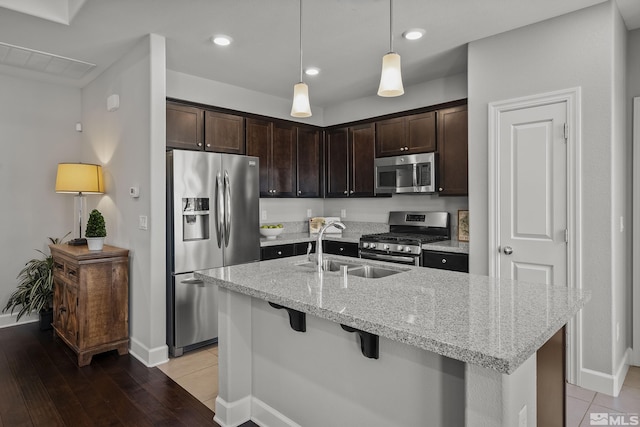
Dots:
pixel 95 225
pixel 35 285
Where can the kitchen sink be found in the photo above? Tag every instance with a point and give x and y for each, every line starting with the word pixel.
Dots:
pixel 329 265
pixel 372 272
pixel 354 269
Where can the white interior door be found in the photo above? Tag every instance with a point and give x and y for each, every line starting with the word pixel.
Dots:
pixel 533 194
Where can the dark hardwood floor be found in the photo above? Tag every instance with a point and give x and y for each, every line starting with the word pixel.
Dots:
pixel 41 385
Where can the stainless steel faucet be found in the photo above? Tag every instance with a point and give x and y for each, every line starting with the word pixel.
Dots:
pixel 338 224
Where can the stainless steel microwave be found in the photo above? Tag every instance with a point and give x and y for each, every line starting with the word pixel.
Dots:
pixel 413 173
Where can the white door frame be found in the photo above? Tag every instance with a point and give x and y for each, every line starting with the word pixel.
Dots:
pixel 635 359
pixel 572 97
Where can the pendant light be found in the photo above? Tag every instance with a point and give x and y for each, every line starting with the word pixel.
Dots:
pixel 391 77
pixel 300 107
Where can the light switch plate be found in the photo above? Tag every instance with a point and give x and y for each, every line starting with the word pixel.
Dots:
pixel 142 222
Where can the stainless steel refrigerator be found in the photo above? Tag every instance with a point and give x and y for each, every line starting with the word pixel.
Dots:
pixel 212 221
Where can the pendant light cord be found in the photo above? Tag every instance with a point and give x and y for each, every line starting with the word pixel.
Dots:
pixel 390 25
pixel 300 41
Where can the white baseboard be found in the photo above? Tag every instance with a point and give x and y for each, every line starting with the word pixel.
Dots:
pixel 232 414
pixel 266 416
pixel 9 320
pixel 149 357
pixel 606 383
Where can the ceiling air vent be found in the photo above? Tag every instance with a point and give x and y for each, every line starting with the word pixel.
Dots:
pixel 49 63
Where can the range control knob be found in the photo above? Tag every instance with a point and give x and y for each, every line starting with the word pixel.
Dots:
pixel 400 247
pixel 385 246
pixel 407 249
pixel 372 245
pixel 365 245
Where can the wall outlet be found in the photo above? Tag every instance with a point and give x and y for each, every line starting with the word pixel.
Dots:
pixel 343 213
pixel 309 213
pixel 142 222
pixel 522 417
pixel 263 215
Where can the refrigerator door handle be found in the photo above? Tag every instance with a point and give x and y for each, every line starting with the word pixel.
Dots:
pixel 227 208
pixel 219 209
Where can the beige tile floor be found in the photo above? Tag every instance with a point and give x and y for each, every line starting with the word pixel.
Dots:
pixel 197 372
pixel 581 402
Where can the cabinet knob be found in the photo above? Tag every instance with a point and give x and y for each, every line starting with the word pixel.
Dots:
pixel 299 192
pixel 208 145
pixel 440 189
pixel 406 148
pixel 346 192
pixel 279 252
pixel 199 144
pixel 401 148
pixel 341 249
pixel 351 192
pixel 444 260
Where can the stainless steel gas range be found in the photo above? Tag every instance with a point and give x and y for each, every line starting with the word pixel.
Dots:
pixel 408 231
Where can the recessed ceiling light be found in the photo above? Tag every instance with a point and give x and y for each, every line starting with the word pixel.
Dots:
pixel 413 34
pixel 312 71
pixel 221 40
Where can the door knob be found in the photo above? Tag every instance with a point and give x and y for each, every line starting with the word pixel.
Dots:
pixel 507 250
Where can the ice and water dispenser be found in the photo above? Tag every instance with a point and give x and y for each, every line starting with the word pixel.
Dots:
pixel 195 218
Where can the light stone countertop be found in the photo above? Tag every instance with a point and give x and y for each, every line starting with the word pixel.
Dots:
pixel 496 324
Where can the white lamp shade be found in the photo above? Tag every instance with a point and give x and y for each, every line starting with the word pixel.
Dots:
pixel 391 77
pixel 79 178
pixel 300 107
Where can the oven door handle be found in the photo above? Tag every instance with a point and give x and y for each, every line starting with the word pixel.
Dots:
pixel 397 258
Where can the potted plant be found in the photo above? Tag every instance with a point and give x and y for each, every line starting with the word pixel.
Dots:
pixel 35 289
pixel 96 231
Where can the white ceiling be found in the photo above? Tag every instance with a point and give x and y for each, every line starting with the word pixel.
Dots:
pixel 346 39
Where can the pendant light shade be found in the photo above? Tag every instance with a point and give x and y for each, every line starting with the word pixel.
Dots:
pixel 391 77
pixel 300 106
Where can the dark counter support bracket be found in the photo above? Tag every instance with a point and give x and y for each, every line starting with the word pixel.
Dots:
pixel 369 343
pixel 297 319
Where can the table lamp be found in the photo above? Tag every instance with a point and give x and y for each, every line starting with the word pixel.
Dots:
pixel 79 179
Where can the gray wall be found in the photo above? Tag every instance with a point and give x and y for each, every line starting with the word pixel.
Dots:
pixel 37 131
pixel 130 143
pixel 568 51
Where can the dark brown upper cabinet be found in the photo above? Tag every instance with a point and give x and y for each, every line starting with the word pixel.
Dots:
pixel 274 144
pixel 411 134
pixel 184 127
pixel 308 162
pixel 223 133
pixel 350 153
pixel 453 170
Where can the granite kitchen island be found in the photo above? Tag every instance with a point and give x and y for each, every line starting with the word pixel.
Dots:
pixel 420 347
